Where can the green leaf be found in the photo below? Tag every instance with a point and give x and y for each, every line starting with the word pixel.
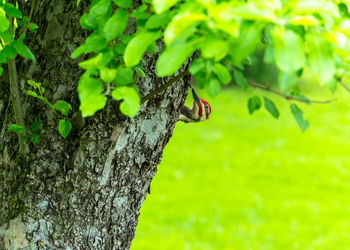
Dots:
pixel 119 48
pixel 286 80
pixel 63 107
pixel 141 14
pixel 163 5
pixel 100 8
pixel 271 108
pixel 35 138
pixel 302 97
pixel 222 73
pixel 91 99
pixel 89 86
pixel 64 127
pixel 11 10
pixel 269 54
pixel 32 93
pixel 288 49
pixel 35 126
pixel 24 138
pixel 7 37
pixel 245 43
pixel 137 47
pixel 23 50
pixel 131 100
pixel 254 103
pixel 320 57
pixel 34 84
pixel 213 87
pixel 158 21
pixel 16 128
pixel 115 25
pixel 214 47
pixel 95 43
pixel 9 51
pixel 123 3
pixel 78 51
pixel 3 58
pixel 108 75
pixel 240 79
pixel 152 48
pixel 173 57
pixel 180 25
pixel 91 104
pixel 196 66
pixel 33 27
pixel 140 72
pixel 88 21
pixel 4 23
pixel 125 75
pixel 92 63
pixel 298 116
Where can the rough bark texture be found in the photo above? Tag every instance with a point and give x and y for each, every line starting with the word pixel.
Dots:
pixel 84 192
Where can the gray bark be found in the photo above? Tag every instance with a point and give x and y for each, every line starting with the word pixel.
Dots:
pixel 84 192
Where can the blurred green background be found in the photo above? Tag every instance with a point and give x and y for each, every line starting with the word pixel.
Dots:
pixel 253 182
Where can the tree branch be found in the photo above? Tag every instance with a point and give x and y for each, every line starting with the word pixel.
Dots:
pixel 15 96
pixel 163 87
pixel 287 97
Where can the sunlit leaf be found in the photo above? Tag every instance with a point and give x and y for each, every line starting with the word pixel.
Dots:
pixel 137 47
pixel 214 47
pixel 163 5
pixel 115 25
pixel 131 100
pixel 320 57
pixel 173 57
pixel 288 49
pixel 179 24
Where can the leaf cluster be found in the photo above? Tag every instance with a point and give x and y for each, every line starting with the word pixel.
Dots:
pixel 11 19
pixel 65 125
pixel 25 134
pixel 296 35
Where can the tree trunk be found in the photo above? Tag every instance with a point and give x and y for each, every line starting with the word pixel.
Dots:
pixel 83 192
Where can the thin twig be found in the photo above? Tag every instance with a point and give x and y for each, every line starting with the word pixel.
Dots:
pixel 343 84
pixel 163 87
pixel 30 18
pixel 287 97
pixel 15 96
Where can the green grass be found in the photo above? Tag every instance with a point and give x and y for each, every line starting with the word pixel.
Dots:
pixel 252 182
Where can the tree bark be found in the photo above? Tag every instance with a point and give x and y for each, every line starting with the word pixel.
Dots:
pixel 83 192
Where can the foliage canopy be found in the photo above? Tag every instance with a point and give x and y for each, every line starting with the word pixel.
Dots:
pixel 295 35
